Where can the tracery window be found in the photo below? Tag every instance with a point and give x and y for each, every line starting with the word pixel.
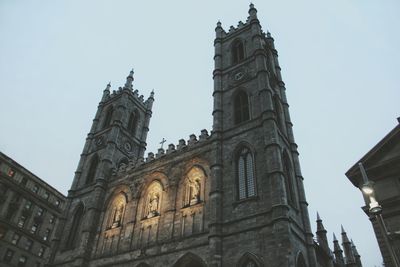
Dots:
pixel 237 51
pixel 288 179
pixel 133 122
pixel 107 119
pixel 72 237
pixel 241 107
pixel 116 211
pixel 153 200
pixel 92 169
pixel 245 174
pixel 194 186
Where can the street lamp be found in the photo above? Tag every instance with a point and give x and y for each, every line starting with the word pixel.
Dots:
pixel 376 210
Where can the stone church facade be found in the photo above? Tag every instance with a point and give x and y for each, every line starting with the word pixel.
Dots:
pixel 231 197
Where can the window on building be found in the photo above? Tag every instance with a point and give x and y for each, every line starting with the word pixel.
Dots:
pixel 40 212
pixel 8 256
pixel 10 173
pixel 21 221
pixel 28 205
pixel 3 231
pixel 34 228
pixel 15 239
pixel 132 123
pixel 46 234
pixel 237 51
pixel 241 107
pixel 41 251
pixel 28 244
pixel 35 189
pixel 24 181
pixel 74 229
pixel 92 169
pixel 22 261
pixel 52 219
pixel 245 174
pixel 46 195
pixel 288 179
pixel 108 118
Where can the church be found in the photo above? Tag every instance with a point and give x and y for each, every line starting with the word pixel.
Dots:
pixel 232 196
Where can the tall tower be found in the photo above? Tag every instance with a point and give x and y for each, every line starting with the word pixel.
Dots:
pixel 264 202
pixel 117 136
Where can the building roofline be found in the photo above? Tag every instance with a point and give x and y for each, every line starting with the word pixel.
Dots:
pixel 12 161
pixel 354 170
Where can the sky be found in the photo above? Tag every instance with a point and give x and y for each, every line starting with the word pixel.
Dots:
pixel 340 63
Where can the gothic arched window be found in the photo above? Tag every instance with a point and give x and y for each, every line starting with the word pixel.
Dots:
pixel 92 169
pixel 278 112
pixel 288 179
pixel 249 260
pixel 152 205
pixel 107 119
pixel 133 122
pixel 241 107
pixel 300 262
pixel 116 211
pixel 237 51
pixel 74 230
pixel 245 174
pixel 194 186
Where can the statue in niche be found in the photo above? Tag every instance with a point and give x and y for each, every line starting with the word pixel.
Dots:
pixel 117 218
pixel 194 192
pixel 153 204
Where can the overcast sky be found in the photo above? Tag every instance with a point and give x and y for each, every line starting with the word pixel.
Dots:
pixel 340 62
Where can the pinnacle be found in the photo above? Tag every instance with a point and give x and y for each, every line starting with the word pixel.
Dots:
pixel 343 231
pixel 318 218
pixel 334 237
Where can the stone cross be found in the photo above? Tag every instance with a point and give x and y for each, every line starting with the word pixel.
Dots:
pixel 162 142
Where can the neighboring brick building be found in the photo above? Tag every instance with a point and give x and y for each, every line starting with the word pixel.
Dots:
pixel 382 165
pixel 29 212
pixel 234 197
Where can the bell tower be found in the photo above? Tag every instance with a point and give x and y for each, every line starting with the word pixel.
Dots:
pixel 117 136
pixel 258 184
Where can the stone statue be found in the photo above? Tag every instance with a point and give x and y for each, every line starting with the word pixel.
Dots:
pixel 194 192
pixel 153 205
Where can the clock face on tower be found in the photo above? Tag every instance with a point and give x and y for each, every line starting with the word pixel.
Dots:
pixel 127 146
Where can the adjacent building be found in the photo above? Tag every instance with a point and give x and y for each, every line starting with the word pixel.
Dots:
pixel 382 165
pixel 29 213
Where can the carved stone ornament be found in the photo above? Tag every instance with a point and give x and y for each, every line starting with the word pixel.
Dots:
pixel 127 146
pixel 99 141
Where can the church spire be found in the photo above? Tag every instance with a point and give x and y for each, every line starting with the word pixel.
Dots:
pixel 129 80
pixel 321 234
pixel 338 252
pixel 348 251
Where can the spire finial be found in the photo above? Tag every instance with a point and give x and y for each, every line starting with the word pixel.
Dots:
pixel 129 80
pixel 343 231
pixel 318 218
pixel 252 11
pixel 108 86
pixel 219 23
pixel 334 237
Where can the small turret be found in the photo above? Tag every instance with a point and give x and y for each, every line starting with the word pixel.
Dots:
pixel 321 234
pixel 106 92
pixel 129 80
pixel 252 12
pixel 348 251
pixel 338 252
pixel 356 255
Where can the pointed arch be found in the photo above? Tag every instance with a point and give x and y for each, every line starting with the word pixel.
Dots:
pixel 194 185
pixel 300 261
pixel 249 260
pixel 237 51
pixel 287 170
pixel 116 211
pixel 245 174
pixel 133 122
pixel 108 117
pixel 72 237
pixel 241 107
pixel 278 111
pixel 152 200
pixel 91 174
pixel 190 260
